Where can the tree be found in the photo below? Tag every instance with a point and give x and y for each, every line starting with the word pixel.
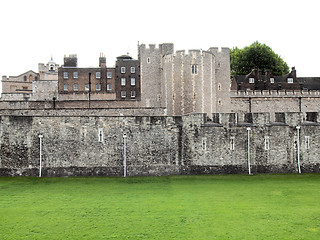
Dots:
pixel 257 55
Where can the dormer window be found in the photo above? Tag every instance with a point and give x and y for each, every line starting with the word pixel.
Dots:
pixel 271 80
pixel 290 80
pixel 251 80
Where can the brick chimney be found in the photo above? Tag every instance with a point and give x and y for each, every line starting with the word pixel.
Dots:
pixel 71 61
pixel 102 61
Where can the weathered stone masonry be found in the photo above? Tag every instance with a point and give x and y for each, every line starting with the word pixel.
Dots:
pixel 88 144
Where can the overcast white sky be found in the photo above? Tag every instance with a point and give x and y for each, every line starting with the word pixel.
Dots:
pixel 32 31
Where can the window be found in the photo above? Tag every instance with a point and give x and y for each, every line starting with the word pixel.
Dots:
pixel 148 60
pixel 194 69
pixel 98 74
pixel 219 102
pixel 133 94
pixel 307 142
pixel 219 87
pixel 132 69
pixel 65 75
pixel 266 143
pixel 290 80
pixel 86 87
pixel 133 81
pixel 109 87
pixel 204 143
pixel 51 67
pixel 251 80
pixel 25 78
pixel 98 87
pixel 109 74
pixel 75 87
pixel 65 87
pixel 100 135
pixel 123 81
pixel 36 78
pixel 24 88
pixel 232 143
pixel 271 80
pixel 123 69
pixel 123 94
pixel 75 74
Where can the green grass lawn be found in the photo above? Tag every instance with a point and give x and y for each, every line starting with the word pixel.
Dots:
pixel 175 207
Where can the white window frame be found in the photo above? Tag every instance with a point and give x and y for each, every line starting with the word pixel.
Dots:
pixel 75 74
pixel 290 80
pixel 133 94
pixel 251 80
pixel 132 70
pixel 232 143
pixel 98 75
pixel 75 87
pixel 307 142
pixel 98 87
pixel 266 143
pixel 123 94
pixel 133 81
pixel 123 69
pixel 100 134
pixel 109 87
pixel 109 75
pixel 271 80
pixel 123 81
pixel 86 87
pixel 65 87
pixel 65 75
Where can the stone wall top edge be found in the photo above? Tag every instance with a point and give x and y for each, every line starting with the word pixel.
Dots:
pixel 77 116
pixel 272 93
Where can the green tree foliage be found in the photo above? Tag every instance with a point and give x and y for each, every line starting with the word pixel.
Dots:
pixel 257 55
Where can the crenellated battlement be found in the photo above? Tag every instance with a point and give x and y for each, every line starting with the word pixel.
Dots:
pixel 229 120
pixel 191 53
pixel 164 48
pixel 275 93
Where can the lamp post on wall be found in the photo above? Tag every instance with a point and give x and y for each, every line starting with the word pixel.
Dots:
pixel 40 150
pixel 124 155
pixel 298 147
pixel 249 165
pixel 89 89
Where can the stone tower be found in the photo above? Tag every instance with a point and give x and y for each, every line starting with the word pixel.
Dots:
pixel 151 73
pixel 190 81
pixel 223 81
pixel 183 83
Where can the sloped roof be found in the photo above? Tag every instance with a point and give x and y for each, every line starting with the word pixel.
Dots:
pixel 310 83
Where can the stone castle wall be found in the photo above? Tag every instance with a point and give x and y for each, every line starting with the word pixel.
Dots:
pixel 92 144
pixel 275 101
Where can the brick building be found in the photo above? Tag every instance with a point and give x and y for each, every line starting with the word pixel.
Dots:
pixel 257 80
pixel 72 79
pixel 127 84
pixel 123 80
